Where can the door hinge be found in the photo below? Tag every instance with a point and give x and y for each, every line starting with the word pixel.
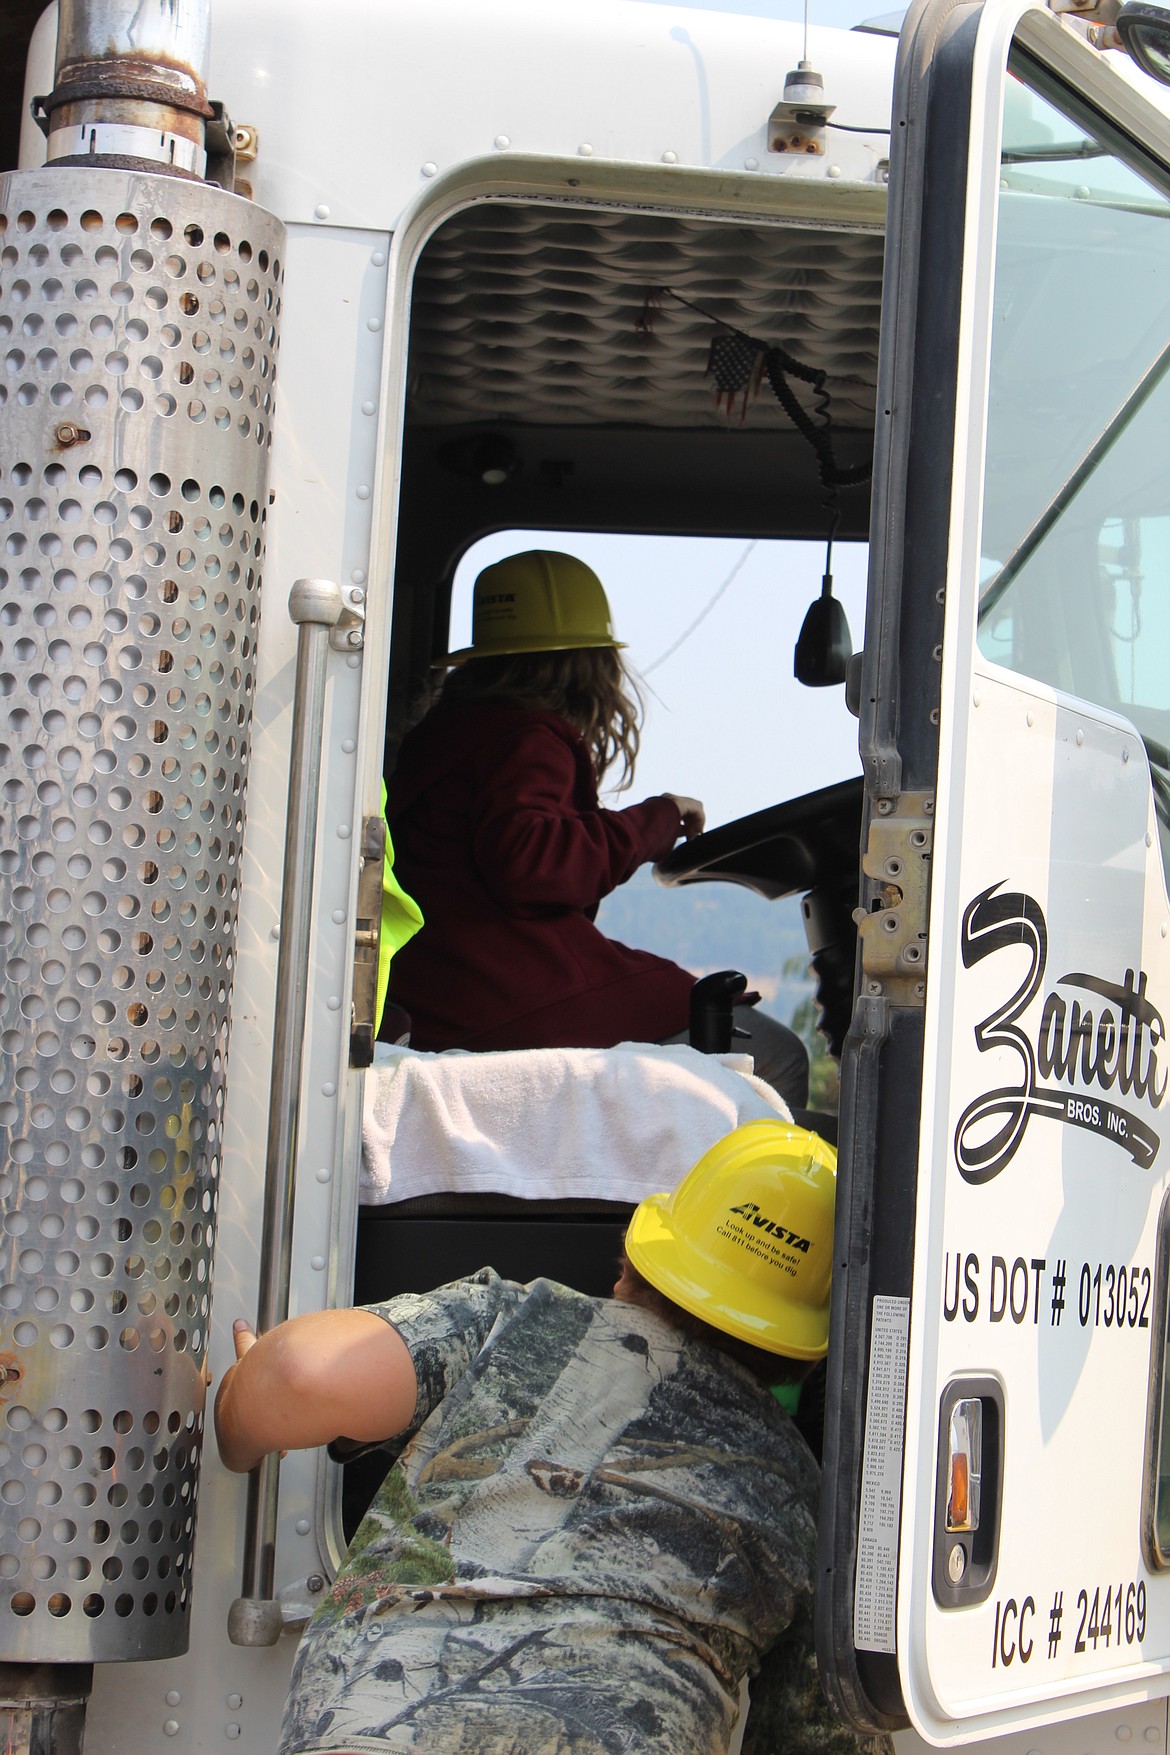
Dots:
pixel 367 931
pixel 892 926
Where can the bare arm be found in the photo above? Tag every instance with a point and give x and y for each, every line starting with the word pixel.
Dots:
pixel 328 1374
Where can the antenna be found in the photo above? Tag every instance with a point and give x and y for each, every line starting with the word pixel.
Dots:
pixel 797 124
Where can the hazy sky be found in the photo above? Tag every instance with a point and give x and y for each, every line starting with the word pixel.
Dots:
pixel 726 721
pixel 841 13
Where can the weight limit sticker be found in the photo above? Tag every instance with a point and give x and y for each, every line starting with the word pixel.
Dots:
pixel 875 1587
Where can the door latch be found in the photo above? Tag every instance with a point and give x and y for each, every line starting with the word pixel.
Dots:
pixel 892 926
pixel 363 1018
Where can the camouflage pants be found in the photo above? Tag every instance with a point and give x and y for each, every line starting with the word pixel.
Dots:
pixel 539 1676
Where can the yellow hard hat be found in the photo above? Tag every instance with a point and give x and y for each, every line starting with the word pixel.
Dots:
pixel 746 1239
pixel 539 601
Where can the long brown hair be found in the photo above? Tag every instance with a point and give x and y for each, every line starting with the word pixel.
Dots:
pixel 589 686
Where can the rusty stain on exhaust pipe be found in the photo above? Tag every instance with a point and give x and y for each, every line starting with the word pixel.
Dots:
pixel 130 87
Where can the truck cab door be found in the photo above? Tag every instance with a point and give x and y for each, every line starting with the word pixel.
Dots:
pixel 994 1540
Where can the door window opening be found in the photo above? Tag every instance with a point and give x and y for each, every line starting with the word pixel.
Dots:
pixel 1077 500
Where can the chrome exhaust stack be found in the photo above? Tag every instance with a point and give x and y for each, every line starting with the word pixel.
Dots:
pixel 130 89
pixel 139 312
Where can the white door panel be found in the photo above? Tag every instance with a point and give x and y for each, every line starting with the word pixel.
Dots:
pixel 1051 984
pixel 1008 1110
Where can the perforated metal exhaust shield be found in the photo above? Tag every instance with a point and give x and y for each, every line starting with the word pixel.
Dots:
pixel 138 323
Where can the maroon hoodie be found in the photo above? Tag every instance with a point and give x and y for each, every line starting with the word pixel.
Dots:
pixel 499 837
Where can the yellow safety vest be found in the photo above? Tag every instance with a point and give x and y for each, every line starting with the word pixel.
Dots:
pixel 401 919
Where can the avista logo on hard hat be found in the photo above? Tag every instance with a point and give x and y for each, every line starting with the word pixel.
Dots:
pixel 745 1240
pixel 749 1210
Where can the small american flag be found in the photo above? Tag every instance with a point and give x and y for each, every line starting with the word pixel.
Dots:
pixel 736 362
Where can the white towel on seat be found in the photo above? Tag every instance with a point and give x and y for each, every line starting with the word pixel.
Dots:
pixel 550 1123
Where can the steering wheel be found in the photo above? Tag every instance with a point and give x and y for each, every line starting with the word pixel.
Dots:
pixel 803 844
pixel 808 846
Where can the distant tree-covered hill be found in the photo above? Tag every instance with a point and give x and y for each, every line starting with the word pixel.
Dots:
pixel 723 926
pixel 715 926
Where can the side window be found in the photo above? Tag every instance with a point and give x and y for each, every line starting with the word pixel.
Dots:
pixel 710 626
pixel 1076 532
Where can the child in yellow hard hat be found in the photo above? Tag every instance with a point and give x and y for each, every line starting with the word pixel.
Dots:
pixel 500 836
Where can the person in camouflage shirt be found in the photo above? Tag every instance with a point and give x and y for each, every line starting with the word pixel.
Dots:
pixel 600 1523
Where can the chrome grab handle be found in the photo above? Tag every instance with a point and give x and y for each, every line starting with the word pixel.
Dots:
pixel 316 606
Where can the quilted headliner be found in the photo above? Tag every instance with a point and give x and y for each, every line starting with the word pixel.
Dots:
pixel 529 315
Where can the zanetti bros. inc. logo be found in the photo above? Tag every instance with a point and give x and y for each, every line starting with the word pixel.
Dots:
pixel 1095 1037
